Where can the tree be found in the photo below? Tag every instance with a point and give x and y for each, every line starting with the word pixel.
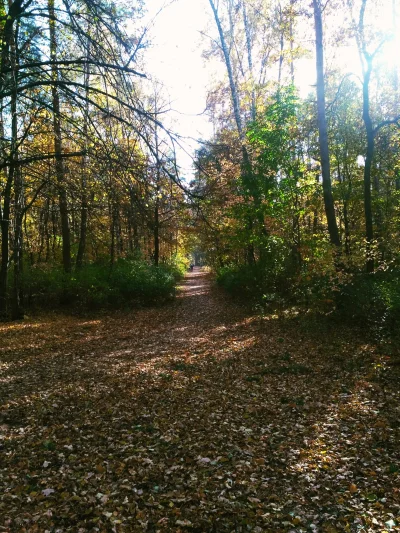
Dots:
pixel 58 94
pixel 58 147
pixel 367 61
pixel 323 129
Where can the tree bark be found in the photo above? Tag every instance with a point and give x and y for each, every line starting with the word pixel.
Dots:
pixel 323 130
pixel 156 234
pixel 156 222
pixel 246 173
pixel 281 45
pixel 291 41
pixel 17 310
pixel 369 229
pixel 5 244
pixel 134 220
pixel 84 197
pixel 59 164
pixel 228 64
pixel 17 293
pixel 249 61
pixel 396 65
pixel 9 56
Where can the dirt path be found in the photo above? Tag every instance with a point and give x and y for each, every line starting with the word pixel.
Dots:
pixel 195 416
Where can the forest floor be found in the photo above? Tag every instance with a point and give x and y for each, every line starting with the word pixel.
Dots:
pixel 197 416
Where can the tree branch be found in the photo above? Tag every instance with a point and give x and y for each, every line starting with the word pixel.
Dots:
pixel 41 157
pixel 395 120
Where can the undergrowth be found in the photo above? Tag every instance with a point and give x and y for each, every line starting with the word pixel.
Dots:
pixel 368 300
pixel 96 286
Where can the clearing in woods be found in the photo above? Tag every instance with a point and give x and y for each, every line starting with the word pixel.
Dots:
pixel 196 416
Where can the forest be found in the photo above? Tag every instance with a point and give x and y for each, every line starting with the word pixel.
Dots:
pixel 257 391
pixel 302 192
pixel 294 199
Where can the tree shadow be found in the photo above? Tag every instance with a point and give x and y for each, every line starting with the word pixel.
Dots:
pixel 200 412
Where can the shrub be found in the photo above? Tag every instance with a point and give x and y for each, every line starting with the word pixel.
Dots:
pixel 268 280
pixel 94 286
pixel 372 300
pixel 177 265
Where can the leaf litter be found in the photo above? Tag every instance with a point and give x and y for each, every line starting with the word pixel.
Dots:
pixel 197 416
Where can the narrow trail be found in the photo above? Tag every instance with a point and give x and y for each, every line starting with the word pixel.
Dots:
pixel 192 416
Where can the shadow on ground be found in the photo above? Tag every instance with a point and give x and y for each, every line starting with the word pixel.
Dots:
pixel 196 416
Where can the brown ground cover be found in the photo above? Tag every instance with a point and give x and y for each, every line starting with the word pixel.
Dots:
pixel 196 416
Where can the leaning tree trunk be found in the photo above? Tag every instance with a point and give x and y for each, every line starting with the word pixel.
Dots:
pixel 323 130
pixel 247 174
pixel 228 64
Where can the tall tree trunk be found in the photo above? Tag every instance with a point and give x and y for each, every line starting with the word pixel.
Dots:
pixel 367 60
pixel 315 214
pixel 228 64
pixel 83 226
pixel 112 215
pixel 85 162
pixel 342 181
pixel 17 296
pixel 6 37
pixel 291 41
pixel 5 242
pixel 156 227
pixel 134 220
pixel 59 165
pixel 80 256
pixel 156 233
pixel 396 65
pixel 247 174
pixel 396 81
pixel 9 54
pixel 281 45
pixel 119 235
pixel 369 230
pixel 249 60
pixel 323 130
pixel 4 225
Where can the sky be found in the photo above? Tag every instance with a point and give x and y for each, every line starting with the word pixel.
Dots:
pixel 175 60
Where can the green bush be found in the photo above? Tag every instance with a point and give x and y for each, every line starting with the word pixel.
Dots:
pixel 94 286
pixel 270 279
pixel 372 300
pixel 177 265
